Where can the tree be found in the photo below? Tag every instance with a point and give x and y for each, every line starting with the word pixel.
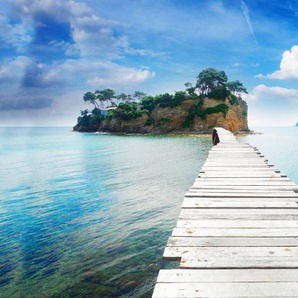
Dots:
pixel 138 95
pixel 91 98
pixel 236 87
pixel 209 79
pixel 105 95
pixel 121 96
pixel 189 88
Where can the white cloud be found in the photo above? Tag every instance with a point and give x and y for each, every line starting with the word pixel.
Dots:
pixel 118 76
pixel 13 69
pixel 272 94
pixel 275 106
pixel 288 66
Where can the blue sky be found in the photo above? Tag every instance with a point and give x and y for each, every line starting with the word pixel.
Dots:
pixel 53 51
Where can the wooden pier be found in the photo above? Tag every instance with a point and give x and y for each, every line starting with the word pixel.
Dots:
pixel 237 233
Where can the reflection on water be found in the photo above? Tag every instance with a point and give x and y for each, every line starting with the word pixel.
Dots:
pixel 87 214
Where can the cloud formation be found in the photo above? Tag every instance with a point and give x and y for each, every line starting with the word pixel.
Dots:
pixel 274 95
pixel 288 66
pixel 62 41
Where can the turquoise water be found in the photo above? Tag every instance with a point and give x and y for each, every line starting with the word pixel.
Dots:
pixel 88 215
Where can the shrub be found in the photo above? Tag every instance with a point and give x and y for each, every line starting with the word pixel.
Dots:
pixel 149 122
pixel 213 110
pixel 219 93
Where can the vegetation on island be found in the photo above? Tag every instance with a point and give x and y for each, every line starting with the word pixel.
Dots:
pixel 210 83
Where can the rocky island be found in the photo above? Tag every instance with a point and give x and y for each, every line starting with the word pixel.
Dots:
pixel 212 101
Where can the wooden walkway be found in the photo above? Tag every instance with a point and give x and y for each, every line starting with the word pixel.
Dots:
pixel 237 233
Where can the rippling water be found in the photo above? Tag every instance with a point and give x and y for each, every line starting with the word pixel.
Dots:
pixel 88 215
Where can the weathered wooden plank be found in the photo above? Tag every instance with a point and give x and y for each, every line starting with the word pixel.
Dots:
pixel 239 203
pixel 230 223
pixel 236 214
pixel 245 181
pixel 225 184
pixel 234 257
pixel 248 194
pixel 235 232
pixel 242 188
pixel 232 241
pixel 240 175
pixel 227 275
pixel 251 168
pixel 223 290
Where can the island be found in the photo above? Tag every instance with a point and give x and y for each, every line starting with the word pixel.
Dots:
pixel 212 102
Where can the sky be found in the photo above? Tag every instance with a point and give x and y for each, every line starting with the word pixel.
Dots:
pixel 54 51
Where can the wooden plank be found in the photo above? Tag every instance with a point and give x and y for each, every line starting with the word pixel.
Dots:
pixel 234 257
pixel 245 181
pixel 238 194
pixel 222 187
pixel 237 214
pixel 240 175
pixel 235 232
pixel 227 275
pixel 232 241
pixel 230 290
pixel 224 183
pixel 223 224
pixel 239 203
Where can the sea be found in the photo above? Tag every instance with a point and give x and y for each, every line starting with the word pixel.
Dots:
pixel 89 215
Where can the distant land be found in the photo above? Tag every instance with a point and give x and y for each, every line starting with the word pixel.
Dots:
pixel 212 102
pixel 297 124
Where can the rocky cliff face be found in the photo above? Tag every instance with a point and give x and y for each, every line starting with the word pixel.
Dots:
pixel 166 120
pixel 235 119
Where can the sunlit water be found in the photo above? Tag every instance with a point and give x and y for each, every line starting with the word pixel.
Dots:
pixel 88 215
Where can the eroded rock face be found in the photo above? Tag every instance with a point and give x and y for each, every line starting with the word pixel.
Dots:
pixel 235 119
pixel 165 120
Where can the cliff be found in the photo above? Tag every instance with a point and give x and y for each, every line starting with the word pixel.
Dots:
pixel 184 118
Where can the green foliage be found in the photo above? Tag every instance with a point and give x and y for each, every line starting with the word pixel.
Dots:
pixel 93 118
pixel 149 122
pixel 105 95
pixel 244 113
pixel 91 98
pixel 192 112
pixel 179 96
pixel 236 87
pixel 127 111
pixel 163 121
pixel 209 79
pixel 219 93
pixel 189 88
pixel 213 110
pixel 84 120
pixel 164 100
pixel 233 99
pixel 148 103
